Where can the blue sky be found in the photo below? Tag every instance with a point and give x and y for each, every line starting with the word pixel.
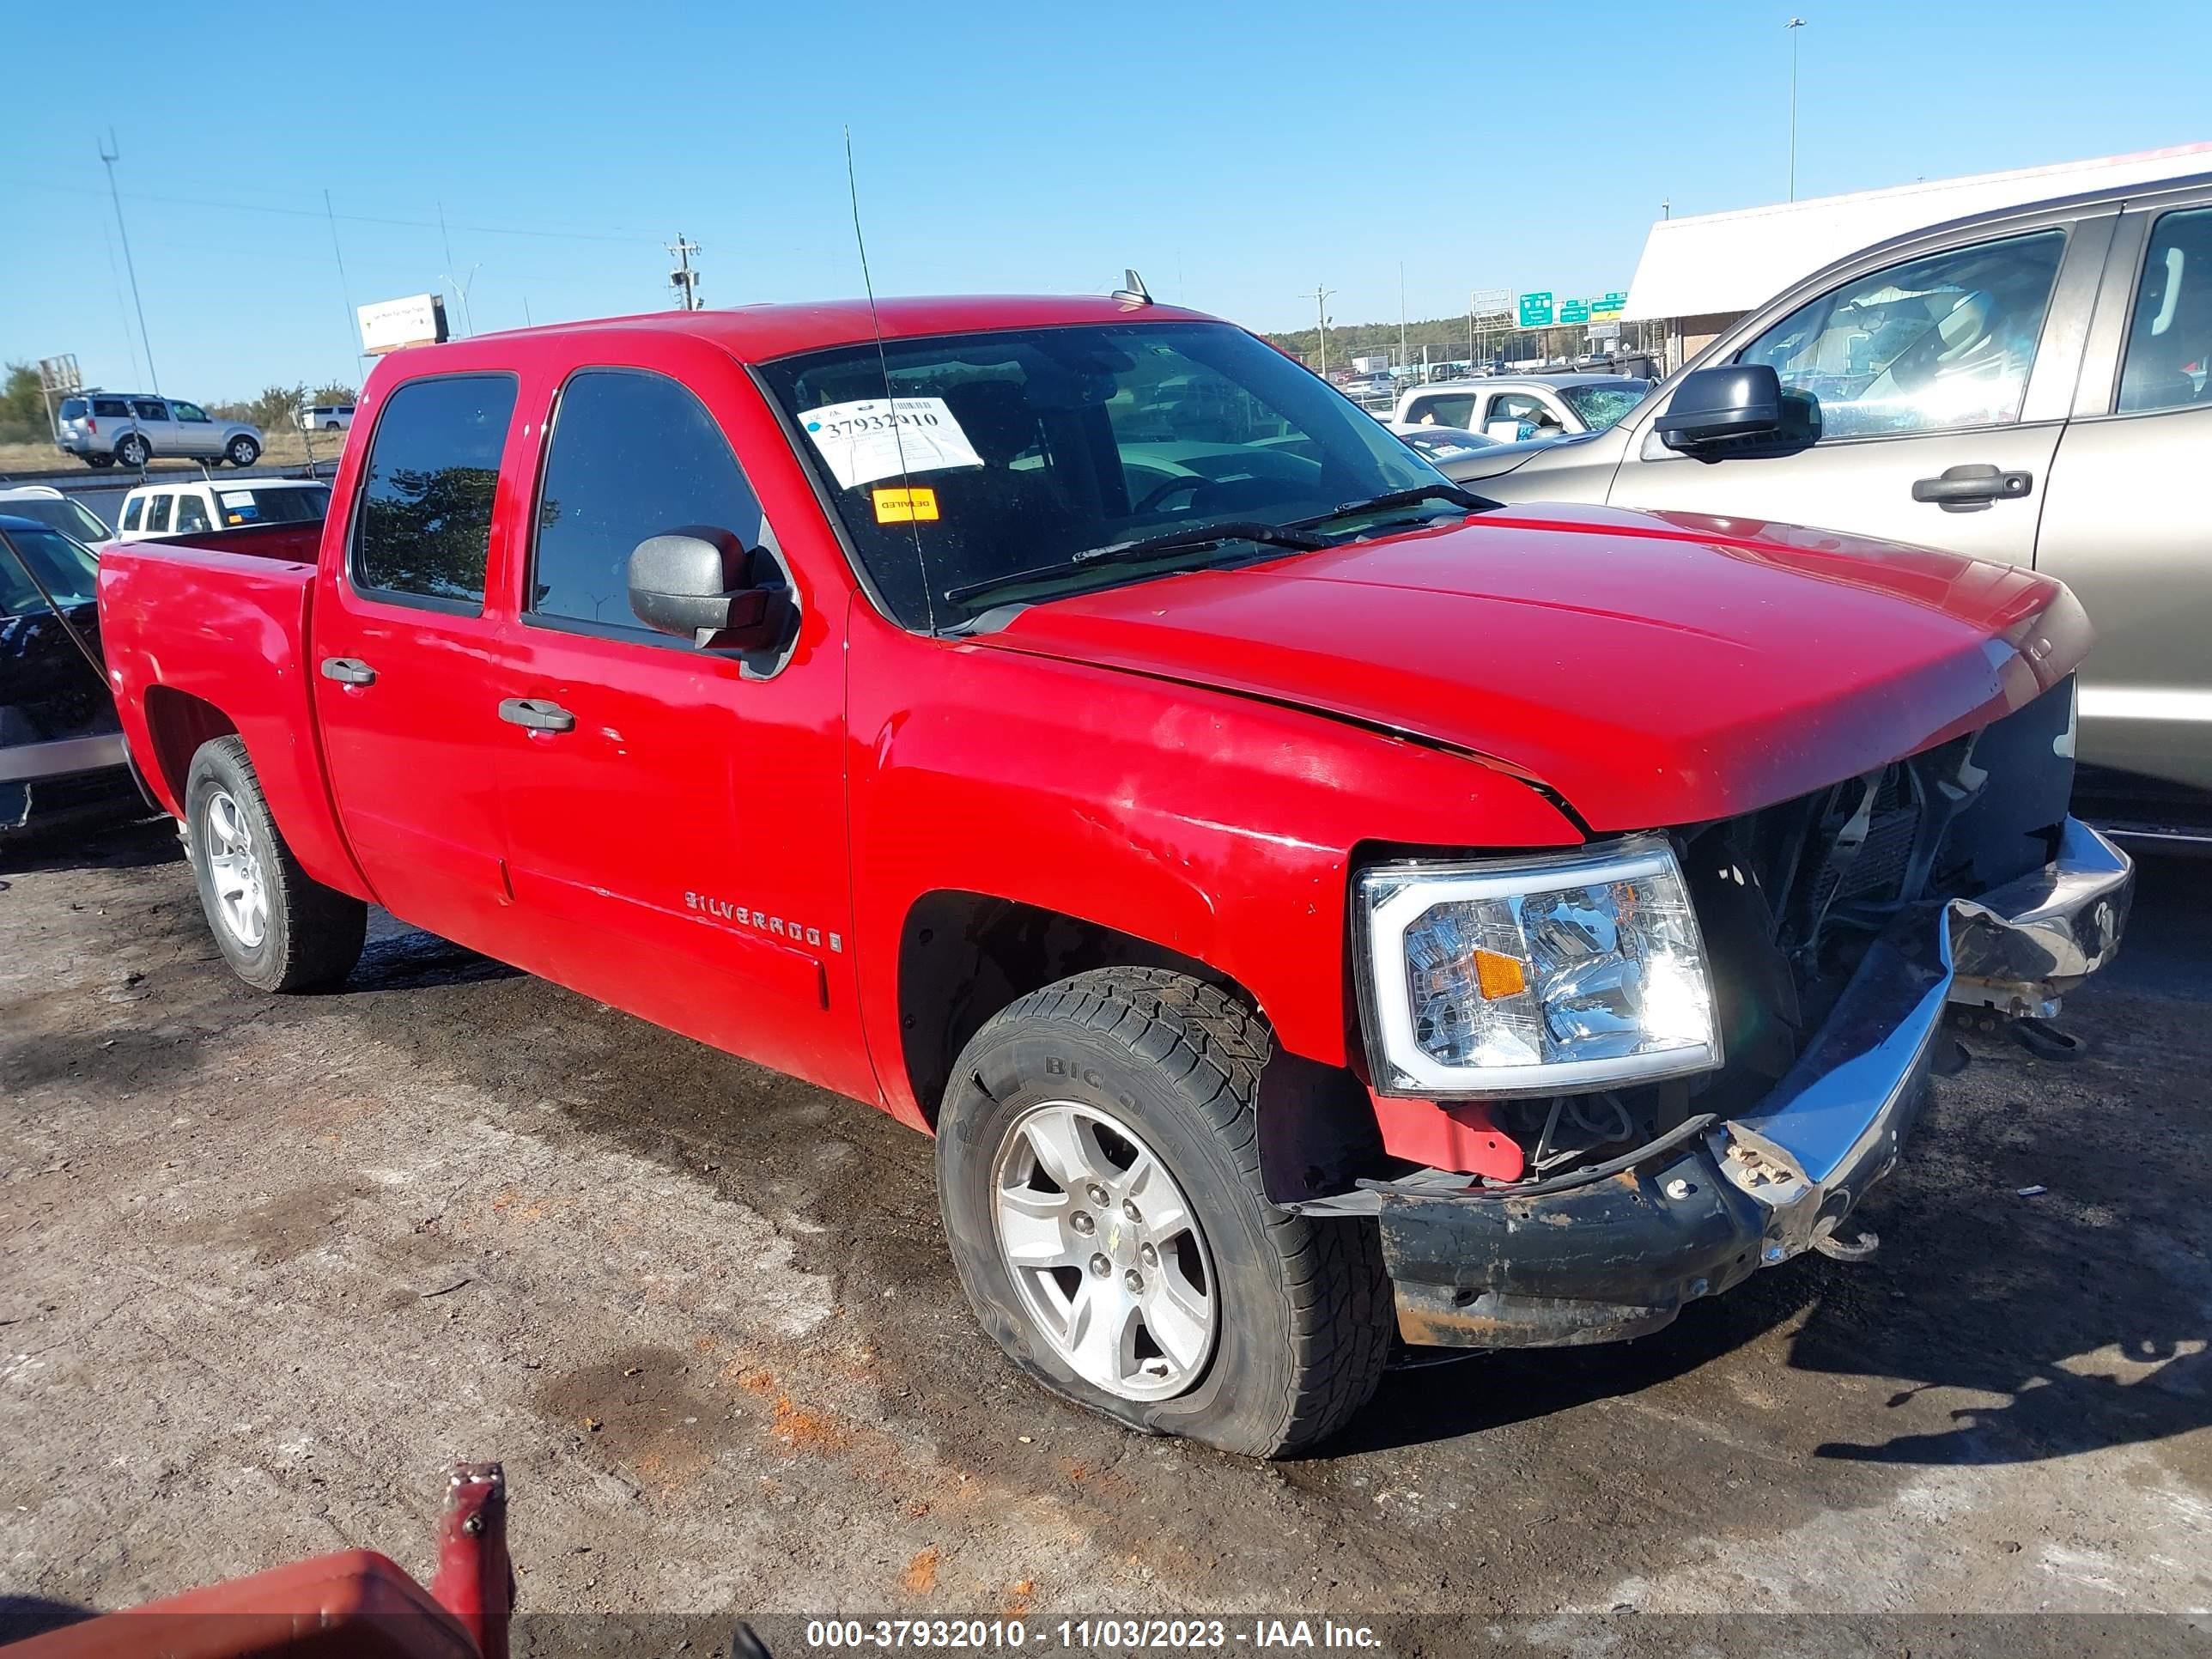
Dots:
pixel 1237 155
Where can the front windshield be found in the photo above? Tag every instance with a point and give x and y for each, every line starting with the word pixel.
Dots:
pixel 1601 406
pixel 1023 449
pixel 57 513
pixel 67 569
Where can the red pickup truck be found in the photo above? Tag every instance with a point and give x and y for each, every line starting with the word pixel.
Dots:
pixel 1311 906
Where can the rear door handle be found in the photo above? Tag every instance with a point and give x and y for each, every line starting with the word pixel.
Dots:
pixel 1966 489
pixel 349 671
pixel 536 714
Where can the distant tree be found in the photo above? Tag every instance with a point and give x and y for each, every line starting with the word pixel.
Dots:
pixel 336 393
pixel 277 408
pixel 22 409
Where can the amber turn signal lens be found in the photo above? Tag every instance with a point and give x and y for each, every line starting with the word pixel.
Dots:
pixel 1499 975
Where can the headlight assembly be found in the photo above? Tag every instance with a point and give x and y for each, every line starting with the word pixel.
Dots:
pixel 1540 976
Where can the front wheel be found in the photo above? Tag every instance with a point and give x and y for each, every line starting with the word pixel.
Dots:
pixel 1099 1166
pixel 243 451
pixel 277 926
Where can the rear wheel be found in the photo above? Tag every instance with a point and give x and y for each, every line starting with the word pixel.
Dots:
pixel 1098 1167
pixel 243 451
pixel 133 451
pixel 100 460
pixel 277 926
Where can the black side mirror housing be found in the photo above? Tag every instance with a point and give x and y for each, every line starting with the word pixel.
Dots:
pixel 705 584
pixel 1737 409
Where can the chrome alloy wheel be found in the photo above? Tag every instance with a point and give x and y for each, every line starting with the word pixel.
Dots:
pixel 235 870
pixel 1110 1262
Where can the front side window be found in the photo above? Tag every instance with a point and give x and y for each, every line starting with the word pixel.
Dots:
pixel 2169 360
pixel 423 530
pixel 133 510
pixel 66 569
pixel 1455 409
pixel 1939 342
pixel 147 410
pixel 633 455
pixel 1027 464
pixel 157 514
pixel 189 412
pixel 191 514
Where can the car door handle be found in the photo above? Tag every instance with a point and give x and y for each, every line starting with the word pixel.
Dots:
pixel 536 714
pixel 1961 489
pixel 349 671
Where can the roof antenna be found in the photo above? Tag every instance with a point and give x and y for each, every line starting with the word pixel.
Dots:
pixel 906 482
pixel 1133 292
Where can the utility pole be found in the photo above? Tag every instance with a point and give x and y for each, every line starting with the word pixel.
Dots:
pixel 683 279
pixel 1666 207
pixel 1402 353
pixel 111 153
pixel 345 294
pixel 461 292
pixel 1790 28
pixel 1321 310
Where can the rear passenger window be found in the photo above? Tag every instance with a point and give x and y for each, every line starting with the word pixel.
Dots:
pixel 425 527
pixel 157 514
pixel 633 455
pixel 2169 360
pixel 191 514
pixel 133 510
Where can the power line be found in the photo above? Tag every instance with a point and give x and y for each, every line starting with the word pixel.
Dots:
pixel 110 153
pixel 348 218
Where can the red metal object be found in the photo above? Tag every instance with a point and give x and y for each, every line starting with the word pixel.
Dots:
pixel 355 1604
pixel 1459 1135
pixel 1197 764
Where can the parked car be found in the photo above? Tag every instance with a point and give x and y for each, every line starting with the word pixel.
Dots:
pixel 61 749
pixel 327 417
pixel 1516 408
pixel 103 428
pixel 2032 386
pixel 192 505
pixel 1305 911
pixel 49 508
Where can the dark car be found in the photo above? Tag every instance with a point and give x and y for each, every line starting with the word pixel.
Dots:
pixel 61 750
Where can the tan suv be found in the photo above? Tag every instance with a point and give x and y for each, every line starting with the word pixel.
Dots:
pixel 2030 385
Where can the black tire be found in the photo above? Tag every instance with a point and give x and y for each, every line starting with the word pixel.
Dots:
pixel 330 426
pixel 314 934
pixel 100 460
pixel 242 451
pixel 1305 1315
pixel 133 451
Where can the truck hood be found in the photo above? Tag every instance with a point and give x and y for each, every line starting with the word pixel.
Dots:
pixel 1647 669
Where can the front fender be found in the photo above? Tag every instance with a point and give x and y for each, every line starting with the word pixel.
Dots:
pixel 1214 825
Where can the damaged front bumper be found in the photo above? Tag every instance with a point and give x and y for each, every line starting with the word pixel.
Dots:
pixel 1614 1250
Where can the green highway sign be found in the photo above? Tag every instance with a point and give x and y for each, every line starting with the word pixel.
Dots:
pixel 1574 311
pixel 1611 305
pixel 1536 310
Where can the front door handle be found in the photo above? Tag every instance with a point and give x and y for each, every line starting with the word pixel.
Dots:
pixel 536 714
pixel 1969 488
pixel 349 671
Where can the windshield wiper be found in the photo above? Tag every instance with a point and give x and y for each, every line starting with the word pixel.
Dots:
pixel 1145 547
pixel 1412 497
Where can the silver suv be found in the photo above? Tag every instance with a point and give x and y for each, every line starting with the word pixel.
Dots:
pixel 103 428
pixel 2032 385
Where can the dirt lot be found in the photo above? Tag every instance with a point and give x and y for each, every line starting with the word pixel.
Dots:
pixel 269 1263
pixel 284 449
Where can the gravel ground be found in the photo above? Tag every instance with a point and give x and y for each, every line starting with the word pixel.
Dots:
pixel 266 1264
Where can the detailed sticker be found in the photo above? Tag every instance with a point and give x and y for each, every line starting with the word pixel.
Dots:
pixel 873 438
pixel 906 506
pixel 238 498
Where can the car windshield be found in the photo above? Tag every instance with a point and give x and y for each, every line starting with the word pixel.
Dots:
pixel 66 569
pixel 1601 406
pixel 1035 451
pixel 57 513
pixel 273 504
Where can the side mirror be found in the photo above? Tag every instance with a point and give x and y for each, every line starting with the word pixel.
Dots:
pixel 705 584
pixel 1737 408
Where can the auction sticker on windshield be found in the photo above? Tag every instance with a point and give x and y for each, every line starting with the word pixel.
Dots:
pixel 873 438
